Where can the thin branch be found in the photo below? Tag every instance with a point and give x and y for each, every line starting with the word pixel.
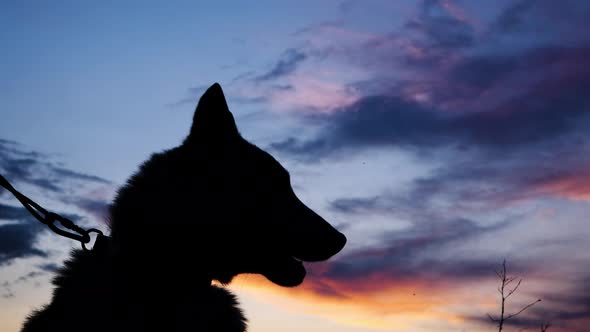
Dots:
pixel 523 309
pixel 505 292
pixel 514 289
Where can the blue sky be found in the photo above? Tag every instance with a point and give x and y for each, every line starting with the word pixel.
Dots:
pixel 440 136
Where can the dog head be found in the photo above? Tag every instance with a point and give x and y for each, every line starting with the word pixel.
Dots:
pixel 221 203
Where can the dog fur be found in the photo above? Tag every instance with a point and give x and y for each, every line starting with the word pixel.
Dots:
pixel 210 209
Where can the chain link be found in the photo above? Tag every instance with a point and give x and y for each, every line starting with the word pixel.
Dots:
pixel 49 218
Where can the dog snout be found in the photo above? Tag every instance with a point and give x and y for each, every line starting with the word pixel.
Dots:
pixel 312 238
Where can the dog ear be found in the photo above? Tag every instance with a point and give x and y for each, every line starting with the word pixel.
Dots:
pixel 212 119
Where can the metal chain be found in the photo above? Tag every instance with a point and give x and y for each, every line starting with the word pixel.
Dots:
pixel 50 218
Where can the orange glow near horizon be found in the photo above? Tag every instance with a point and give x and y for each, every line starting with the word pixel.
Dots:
pixel 380 305
pixel 575 187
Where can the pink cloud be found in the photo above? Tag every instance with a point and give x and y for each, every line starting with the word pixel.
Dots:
pixel 574 186
pixel 309 93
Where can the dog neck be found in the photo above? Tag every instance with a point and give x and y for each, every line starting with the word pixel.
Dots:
pixel 128 295
pixel 158 272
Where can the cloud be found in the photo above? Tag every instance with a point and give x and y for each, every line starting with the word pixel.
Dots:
pixel 420 251
pixel 486 183
pixel 534 109
pixel 99 208
pixel 359 205
pixel 427 40
pixel 443 56
pixel 67 173
pixel 287 64
pixel 411 254
pixel 49 267
pixel 19 232
pixel 372 121
pixel 8 212
pixel 7 286
pixel 442 27
pixel 18 164
pixel 472 184
pixel 560 21
pixel 25 168
pixel 569 309
pixel 308 95
pixel 571 183
pixel 513 16
pixel 392 121
pixel 18 240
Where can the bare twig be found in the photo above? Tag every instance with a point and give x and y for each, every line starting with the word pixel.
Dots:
pixel 523 309
pixel 505 293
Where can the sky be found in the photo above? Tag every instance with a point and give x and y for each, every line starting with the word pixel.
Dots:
pixel 442 137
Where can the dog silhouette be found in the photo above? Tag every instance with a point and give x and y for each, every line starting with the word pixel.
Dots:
pixel 212 208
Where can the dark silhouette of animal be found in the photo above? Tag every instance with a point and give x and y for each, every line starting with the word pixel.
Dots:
pixel 210 209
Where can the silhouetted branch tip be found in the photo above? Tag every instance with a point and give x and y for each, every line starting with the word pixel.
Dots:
pixel 523 309
pixel 505 293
